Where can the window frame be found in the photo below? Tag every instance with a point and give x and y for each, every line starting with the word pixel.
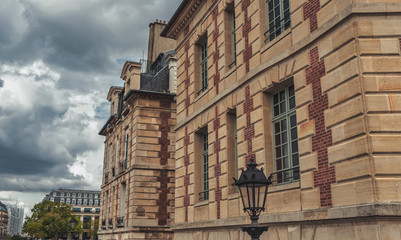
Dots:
pixel 287 114
pixel 284 24
pixel 126 144
pixel 203 66
pixel 205 166
pixel 230 37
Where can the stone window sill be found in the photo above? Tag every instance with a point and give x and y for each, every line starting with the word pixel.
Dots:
pixel 276 40
pixel 201 203
pixel 284 187
pixel 197 98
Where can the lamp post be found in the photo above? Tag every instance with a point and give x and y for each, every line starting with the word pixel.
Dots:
pixel 253 185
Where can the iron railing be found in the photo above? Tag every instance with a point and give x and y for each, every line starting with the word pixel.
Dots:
pixel 286 176
pixel 204 195
pixel 277 29
pixel 120 222
pixel 110 223
pixel 123 165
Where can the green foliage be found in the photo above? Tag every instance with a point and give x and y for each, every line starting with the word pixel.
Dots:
pixel 95 225
pixel 51 220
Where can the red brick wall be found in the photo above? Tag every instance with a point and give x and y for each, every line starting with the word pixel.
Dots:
pixel 216 54
pixel 324 176
pixel 186 177
pixel 246 28
pixel 163 179
pixel 187 82
pixel 217 171
pixel 310 10
pixel 249 132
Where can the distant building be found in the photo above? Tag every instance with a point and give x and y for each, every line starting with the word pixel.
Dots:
pixel 85 204
pixel 3 221
pixel 138 172
pixel 15 219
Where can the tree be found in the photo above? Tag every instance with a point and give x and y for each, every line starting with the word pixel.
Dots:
pixel 51 220
pixel 93 231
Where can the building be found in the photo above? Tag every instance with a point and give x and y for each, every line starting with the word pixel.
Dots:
pixel 157 44
pixel 311 90
pixel 15 219
pixel 138 173
pixel 85 204
pixel 3 221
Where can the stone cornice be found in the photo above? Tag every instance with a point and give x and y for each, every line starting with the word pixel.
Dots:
pixel 181 18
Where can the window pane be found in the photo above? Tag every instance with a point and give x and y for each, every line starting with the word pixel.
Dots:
pixel 295 159
pixel 285 150
pixel 278 164
pixel 293 121
pixel 282 95
pixel 294 134
pixel 278 139
pixel 294 146
pixel 284 137
pixel 296 174
pixel 282 107
pixel 284 125
pixel 278 152
pixel 292 102
pixel 286 4
pixel 275 99
pixel 276 110
pixel 277 127
pixel 285 163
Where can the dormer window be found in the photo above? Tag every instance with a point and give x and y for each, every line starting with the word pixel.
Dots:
pixel 112 108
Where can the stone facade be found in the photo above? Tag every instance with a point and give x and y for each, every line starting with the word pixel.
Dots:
pixel 157 44
pixel 138 173
pixel 15 219
pixel 342 61
pixel 84 203
pixel 3 221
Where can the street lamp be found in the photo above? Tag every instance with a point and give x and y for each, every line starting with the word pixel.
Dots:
pixel 253 185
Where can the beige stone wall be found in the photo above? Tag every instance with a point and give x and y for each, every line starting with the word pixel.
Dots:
pixel 158 44
pixel 361 230
pixel 357 58
pixel 150 121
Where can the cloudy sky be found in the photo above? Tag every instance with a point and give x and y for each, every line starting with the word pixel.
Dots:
pixel 57 61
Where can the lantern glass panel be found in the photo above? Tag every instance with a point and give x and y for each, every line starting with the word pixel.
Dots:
pixel 251 191
pixel 242 192
pixel 245 195
pixel 262 195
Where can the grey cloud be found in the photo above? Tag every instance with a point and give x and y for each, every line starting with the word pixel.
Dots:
pixel 85 43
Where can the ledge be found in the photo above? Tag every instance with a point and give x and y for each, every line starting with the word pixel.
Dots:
pixel 344 213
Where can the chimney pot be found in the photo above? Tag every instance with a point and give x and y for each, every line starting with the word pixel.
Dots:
pixel 157 20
